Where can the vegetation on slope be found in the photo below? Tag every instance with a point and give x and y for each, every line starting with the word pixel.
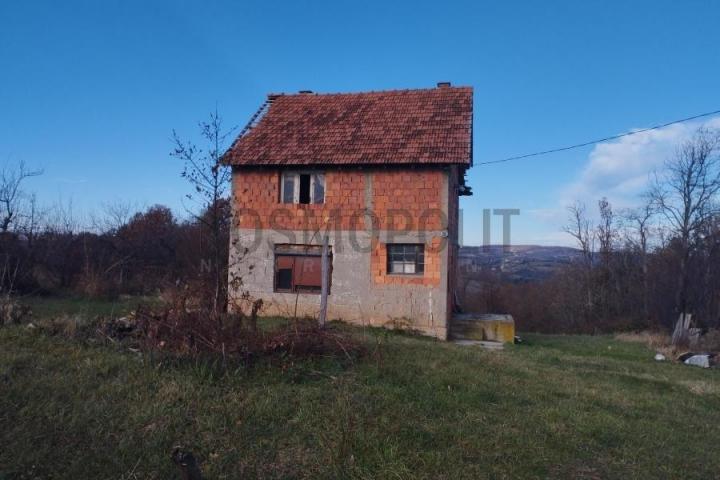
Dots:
pixel 556 406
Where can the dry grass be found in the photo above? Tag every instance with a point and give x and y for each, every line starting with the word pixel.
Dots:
pixel 553 407
pixel 702 387
pixel 660 342
pixel 650 338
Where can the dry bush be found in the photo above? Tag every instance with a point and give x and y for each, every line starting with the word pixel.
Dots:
pixel 710 342
pixel 184 327
pixel 73 327
pixel 12 312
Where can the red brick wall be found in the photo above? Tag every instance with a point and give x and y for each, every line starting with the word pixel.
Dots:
pixel 258 191
pixel 402 200
pixel 417 192
pixel 431 277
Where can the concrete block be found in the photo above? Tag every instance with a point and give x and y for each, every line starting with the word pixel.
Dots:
pixel 483 327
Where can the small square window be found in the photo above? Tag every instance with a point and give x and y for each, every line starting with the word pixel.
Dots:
pixel 405 259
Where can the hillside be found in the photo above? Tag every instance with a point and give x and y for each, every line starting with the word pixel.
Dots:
pixel 562 407
pixel 516 263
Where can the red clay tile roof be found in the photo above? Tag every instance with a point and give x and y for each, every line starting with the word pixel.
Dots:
pixel 390 127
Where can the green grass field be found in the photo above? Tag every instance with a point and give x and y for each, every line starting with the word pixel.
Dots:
pixel 554 407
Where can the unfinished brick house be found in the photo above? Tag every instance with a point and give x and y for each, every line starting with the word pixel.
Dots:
pixel 379 173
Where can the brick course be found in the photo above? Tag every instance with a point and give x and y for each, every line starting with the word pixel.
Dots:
pixel 402 200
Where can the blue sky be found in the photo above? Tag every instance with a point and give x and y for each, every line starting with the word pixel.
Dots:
pixel 90 91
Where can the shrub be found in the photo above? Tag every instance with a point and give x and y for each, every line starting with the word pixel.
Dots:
pixel 182 326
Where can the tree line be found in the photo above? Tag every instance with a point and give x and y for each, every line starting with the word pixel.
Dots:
pixel 120 249
pixel 637 268
pixel 120 252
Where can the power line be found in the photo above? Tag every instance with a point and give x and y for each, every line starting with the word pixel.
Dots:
pixel 593 142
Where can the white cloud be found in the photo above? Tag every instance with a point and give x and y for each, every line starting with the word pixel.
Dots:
pixel 620 169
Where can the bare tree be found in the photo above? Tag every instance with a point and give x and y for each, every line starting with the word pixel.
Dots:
pixel 210 181
pixel 639 224
pixel 62 218
pixel 606 233
pixel 113 216
pixel 708 271
pixel 12 198
pixel 686 197
pixel 32 220
pixel 580 229
pixel 610 269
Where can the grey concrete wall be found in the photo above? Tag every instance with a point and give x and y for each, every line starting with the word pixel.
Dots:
pixel 353 295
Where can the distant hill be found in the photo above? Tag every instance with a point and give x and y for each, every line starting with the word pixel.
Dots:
pixel 517 263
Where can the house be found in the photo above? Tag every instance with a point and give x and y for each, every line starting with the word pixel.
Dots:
pixel 379 174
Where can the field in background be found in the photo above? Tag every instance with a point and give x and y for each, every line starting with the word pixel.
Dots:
pixel 45 307
pixel 555 406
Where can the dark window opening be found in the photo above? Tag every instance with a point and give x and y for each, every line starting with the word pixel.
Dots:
pixel 405 259
pixel 284 279
pixel 304 188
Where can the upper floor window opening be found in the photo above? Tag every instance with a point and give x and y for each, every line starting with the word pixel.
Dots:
pixel 302 187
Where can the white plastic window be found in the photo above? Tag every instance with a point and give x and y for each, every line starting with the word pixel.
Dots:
pixel 406 259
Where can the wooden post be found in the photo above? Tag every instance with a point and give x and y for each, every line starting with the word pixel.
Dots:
pixel 325 270
pixel 681 333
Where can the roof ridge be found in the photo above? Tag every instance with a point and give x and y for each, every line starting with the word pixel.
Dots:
pixel 371 92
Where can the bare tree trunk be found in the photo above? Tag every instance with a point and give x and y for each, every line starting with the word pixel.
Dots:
pixel 682 300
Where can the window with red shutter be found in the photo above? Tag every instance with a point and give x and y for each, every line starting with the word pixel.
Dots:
pixel 298 268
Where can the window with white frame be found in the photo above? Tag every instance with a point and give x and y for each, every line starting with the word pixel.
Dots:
pixel 405 258
pixel 302 187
